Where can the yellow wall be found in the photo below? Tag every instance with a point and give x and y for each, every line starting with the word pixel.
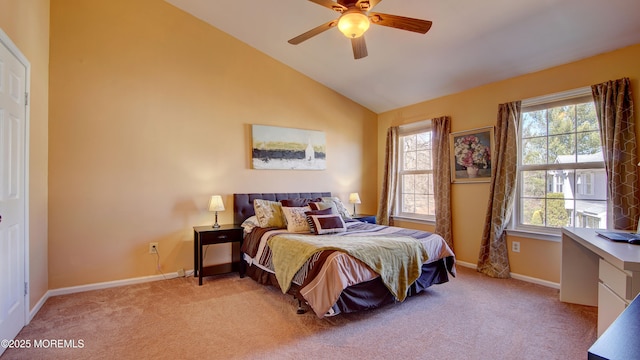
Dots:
pixel 27 24
pixel 150 115
pixel 477 108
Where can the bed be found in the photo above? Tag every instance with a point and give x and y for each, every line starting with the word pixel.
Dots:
pixel 342 267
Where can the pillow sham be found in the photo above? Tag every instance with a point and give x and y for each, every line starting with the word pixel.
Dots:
pixel 312 226
pixel 340 208
pixel 319 212
pixel 269 213
pixel 296 219
pixel 328 224
pixel 322 205
pixel 299 202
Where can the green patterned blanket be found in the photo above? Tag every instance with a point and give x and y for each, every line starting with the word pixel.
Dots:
pixel 397 259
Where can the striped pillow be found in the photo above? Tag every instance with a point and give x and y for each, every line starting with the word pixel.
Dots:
pixel 312 226
pixel 327 224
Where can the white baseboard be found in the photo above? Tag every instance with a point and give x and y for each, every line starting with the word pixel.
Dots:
pixel 139 280
pixel 38 306
pixel 466 264
pixel 535 280
pixel 517 276
pixel 98 286
pixel 111 284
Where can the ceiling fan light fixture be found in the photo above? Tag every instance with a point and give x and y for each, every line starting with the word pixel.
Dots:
pixel 353 24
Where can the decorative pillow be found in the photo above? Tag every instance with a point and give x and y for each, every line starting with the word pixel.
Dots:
pixel 328 224
pixel 296 219
pixel 327 211
pixel 342 210
pixel 269 213
pixel 322 205
pixel 312 226
pixel 249 224
pixel 299 202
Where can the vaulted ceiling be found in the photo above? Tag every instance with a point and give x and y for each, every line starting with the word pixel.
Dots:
pixel 471 43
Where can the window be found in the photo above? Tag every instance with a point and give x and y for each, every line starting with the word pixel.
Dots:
pixel 562 179
pixel 416 198
pixel 585 183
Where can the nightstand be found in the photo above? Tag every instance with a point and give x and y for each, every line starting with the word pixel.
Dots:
pixel 371 219
pixel 207 235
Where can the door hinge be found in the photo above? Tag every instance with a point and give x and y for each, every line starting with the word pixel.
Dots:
pixel 26 98
pixel 26 288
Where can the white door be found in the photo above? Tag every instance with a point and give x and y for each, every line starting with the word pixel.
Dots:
pixel 12 192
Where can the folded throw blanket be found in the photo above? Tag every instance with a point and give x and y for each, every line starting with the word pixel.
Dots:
pixel 397 259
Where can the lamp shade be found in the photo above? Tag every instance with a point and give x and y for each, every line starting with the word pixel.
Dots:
pixel 354 198
pixel 353 24
pixel 216 204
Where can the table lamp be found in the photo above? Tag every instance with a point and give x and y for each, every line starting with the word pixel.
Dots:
pixel 354 199
pixel 216 204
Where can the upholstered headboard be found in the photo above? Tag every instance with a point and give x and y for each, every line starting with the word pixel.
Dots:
pixel 243 203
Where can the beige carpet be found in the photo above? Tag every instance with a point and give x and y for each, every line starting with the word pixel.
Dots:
pixel 471 317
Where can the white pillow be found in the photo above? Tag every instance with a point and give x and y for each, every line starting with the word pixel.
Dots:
pixel 296 219
pixel 249 224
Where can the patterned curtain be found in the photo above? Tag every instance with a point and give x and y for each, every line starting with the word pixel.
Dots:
pixel 390 179
pixel 614 106
pixel 442 177
pixel 494 260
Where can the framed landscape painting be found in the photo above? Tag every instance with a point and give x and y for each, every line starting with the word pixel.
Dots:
pixel 286 148
pixel 471 155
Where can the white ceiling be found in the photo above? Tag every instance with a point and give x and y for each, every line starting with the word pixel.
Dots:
pixel 471 42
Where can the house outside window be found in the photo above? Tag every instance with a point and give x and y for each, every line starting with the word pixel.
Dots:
pixel 585 183
pixel 416 191
pixel 561 173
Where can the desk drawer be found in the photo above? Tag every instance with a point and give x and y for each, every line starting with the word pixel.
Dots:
pixel 617 280
pixel 610 306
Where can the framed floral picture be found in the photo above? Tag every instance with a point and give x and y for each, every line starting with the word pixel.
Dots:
pixel 471 155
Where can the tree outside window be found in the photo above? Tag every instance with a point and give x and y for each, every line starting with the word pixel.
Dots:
pixel 416 198
pixel 561 169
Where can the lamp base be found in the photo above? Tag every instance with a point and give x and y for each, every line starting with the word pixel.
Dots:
pixel 216 225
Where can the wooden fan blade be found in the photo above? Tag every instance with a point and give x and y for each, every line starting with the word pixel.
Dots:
pixel 313 32
pixel 400 22
pixel 330 5
pixel 359 47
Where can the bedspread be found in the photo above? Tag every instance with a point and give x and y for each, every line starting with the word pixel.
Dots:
pixel 397 259
pixel 324 276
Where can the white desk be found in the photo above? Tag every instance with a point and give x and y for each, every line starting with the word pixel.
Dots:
pixel 598 272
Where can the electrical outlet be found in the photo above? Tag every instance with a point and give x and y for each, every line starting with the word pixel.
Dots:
pixel 153 248
pixel 180 272
pixel 515 246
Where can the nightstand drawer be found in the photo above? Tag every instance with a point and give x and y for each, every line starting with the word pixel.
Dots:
pixel 220 237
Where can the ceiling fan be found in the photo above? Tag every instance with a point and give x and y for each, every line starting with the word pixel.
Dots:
pixel 355 18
